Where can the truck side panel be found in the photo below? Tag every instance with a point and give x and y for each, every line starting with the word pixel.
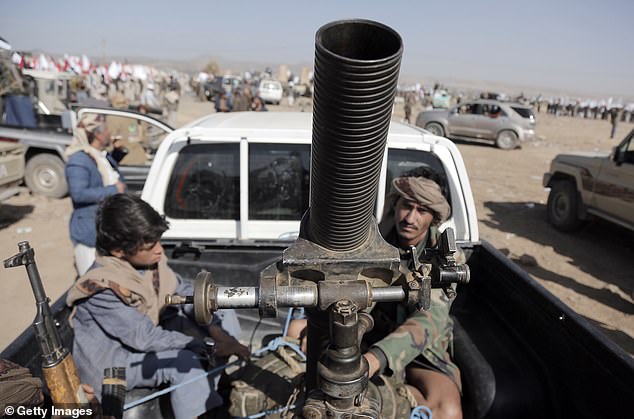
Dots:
pixel 546 360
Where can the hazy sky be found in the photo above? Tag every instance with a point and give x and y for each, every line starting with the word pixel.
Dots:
pixel 584 46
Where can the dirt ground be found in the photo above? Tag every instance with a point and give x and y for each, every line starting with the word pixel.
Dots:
pixel 590 270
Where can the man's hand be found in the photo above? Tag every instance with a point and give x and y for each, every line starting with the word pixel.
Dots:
pixel 297 330
pixel 227 345
pixel 373 363
pixel 120 186
pixel 90 393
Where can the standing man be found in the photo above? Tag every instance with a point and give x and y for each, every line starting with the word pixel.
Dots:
pixel 407 107
pixel 614 120
pixel 171 105
pixel 92 175
pixel 241 103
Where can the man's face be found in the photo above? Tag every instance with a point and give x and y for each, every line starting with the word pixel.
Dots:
pixel 103 136
pixel 412 222
pixel 148 254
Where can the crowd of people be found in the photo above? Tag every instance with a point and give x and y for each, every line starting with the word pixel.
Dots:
pixel 439 96
pixel 119 85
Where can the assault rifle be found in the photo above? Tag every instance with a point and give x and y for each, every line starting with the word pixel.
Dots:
pixel 58 367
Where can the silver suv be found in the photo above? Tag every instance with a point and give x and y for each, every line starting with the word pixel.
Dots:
pixel 504 123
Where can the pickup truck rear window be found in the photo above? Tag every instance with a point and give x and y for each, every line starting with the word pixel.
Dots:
pixel 278 181
pixel 205 183
pixel 400 161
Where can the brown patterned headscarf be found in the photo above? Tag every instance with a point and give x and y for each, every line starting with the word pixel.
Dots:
pixel 425 192
pixel 144 292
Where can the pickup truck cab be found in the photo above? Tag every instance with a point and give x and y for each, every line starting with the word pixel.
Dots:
pixel 592 184
pixel 44 149
pixel 244 177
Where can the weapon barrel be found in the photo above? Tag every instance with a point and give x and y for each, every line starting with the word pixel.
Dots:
pixel 356 72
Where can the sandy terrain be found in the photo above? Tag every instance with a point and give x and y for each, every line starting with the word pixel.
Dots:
pixel 590 271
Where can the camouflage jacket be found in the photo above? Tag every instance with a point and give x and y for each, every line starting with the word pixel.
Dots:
pixel 405 334
pixel 10 79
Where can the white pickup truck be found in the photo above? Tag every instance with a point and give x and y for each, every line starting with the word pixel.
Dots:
pixel 234 187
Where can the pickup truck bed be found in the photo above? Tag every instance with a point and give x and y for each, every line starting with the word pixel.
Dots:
pixel 522 352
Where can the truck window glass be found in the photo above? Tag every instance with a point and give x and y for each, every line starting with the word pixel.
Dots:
pixel 140 138
pixel 278 181
pixel 400 161
pixel 524 112
pixel 205 183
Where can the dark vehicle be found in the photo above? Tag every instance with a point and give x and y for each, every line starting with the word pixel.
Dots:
pixel 225 83
pixel 44 149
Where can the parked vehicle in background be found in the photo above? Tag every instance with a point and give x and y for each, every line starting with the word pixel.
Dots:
pixel 225 83
pixel 302 90
pixel 506 124
pixel 592 184
pixel 270 91
pixel 51 91
pixel 44 149
pixel 440 100
pixel 11 169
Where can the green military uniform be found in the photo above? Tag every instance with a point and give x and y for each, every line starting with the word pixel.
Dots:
pixel 408 337
pixel 10 79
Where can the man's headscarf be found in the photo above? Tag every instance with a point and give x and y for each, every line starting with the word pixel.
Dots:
pixel 87 125
pixel 421 190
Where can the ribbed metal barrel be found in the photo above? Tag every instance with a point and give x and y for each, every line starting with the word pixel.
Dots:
pixel 356 72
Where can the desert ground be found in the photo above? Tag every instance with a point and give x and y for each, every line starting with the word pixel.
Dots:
pixel 591 270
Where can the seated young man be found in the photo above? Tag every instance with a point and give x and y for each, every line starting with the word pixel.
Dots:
pixel 119 301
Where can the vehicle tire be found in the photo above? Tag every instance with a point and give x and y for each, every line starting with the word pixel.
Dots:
pixel 563 205
pixel 435 128
pixel 44 175
pixel 507 140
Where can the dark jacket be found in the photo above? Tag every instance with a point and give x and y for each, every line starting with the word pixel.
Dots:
pixel 86 191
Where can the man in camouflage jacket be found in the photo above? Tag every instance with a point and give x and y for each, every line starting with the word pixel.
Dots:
pixel 408 343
